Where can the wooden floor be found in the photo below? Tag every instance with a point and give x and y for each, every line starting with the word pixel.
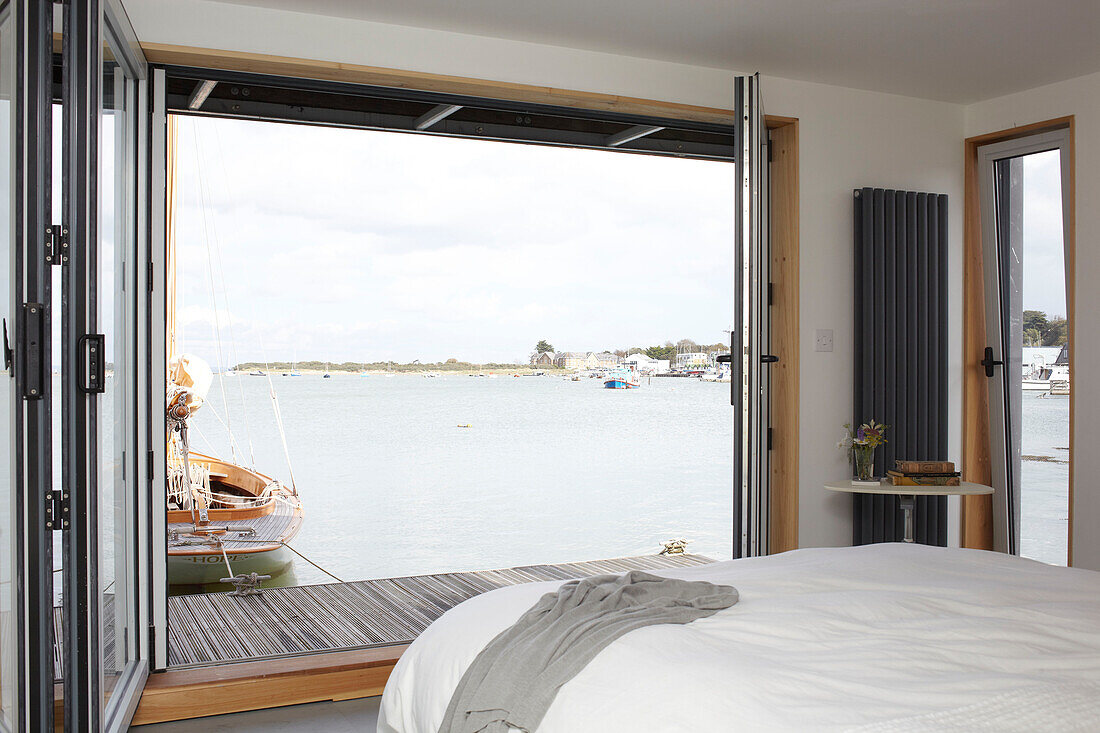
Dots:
pixel 217 628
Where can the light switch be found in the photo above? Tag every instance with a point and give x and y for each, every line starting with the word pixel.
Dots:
pixel 823 339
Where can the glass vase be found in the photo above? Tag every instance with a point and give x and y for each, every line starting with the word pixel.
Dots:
pixel 864 458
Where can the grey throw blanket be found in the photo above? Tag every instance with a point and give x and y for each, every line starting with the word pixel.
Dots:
pixel 515 678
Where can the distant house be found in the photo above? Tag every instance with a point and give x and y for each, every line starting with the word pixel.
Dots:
pixel 544 359
pixel 691 359
pixel 606 359
pixel 639 360
pixel 571 360
pixel 585 360
pixel 647 364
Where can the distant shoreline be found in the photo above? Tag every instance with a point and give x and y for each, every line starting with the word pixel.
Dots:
pixel 274 370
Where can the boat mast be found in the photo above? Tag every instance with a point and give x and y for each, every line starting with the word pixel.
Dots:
pixel 170 305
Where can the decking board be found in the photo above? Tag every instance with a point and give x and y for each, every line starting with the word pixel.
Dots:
pixel 217 628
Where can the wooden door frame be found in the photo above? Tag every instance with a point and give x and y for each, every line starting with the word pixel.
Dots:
pixel 171 695
pixel 976 517
pixel 783 235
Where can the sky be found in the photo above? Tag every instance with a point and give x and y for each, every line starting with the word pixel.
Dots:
pixel 353 245
pixel 1044 255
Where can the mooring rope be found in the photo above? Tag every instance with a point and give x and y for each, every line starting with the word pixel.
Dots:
pixel 287 546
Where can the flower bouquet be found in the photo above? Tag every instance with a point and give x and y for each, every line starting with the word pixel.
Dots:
pixel 861 444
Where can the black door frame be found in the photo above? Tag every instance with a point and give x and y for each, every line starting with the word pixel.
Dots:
pixel 32 506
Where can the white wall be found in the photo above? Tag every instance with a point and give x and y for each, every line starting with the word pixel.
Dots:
pixel 1079 97
pixel 849 139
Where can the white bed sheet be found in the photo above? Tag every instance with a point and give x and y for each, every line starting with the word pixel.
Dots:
pixel 822 639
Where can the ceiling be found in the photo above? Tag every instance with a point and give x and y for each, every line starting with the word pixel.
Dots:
pixel 952 50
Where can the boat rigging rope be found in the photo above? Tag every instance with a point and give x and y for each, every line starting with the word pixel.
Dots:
pixel 232 439
pixel 282 434
pixel 220 269
pixel 278 416
pixel 178 415
pixel 213 295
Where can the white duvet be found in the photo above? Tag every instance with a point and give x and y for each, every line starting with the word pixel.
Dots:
pixel 886 637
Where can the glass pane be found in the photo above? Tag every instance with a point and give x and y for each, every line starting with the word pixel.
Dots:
pixel 115 240
pixel 1044 413
pixel 9 644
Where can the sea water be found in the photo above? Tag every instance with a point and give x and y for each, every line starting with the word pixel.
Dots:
pixel 548 470
pixel 1044 470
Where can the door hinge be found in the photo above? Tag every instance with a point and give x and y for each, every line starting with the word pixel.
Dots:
pixel 150 461
pixel 57 510
pixel 771 293
pixel 769 150
pixel 34 335
pixel 57 244
pixel 93 363
pixel 769 438
pixel 149 277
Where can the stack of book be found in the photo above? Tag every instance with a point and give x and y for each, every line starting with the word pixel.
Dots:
pixel 924 473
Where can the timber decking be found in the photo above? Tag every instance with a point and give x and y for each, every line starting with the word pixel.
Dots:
pixel 217 628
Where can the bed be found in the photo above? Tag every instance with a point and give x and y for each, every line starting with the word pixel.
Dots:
pixel 876 638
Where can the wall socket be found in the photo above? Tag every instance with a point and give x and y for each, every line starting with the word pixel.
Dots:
pixel 823 339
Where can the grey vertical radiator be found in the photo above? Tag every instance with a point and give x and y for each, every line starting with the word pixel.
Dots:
pixel 901 348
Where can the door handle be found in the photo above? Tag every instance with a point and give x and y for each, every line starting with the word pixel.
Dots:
pixel 7 348
pixel 724 358
pixel 91 380
pixel 989 362
pixel 768 359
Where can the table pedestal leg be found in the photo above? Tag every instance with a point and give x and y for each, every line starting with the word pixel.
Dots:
pixel 908 505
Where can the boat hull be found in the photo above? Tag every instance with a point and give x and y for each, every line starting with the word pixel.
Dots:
pixel 210 569
pixel 1035 385
pixel 619 384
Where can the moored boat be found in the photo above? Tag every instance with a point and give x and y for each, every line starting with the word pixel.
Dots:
pixel 251 517
pixel 1042 377
pixel 621 379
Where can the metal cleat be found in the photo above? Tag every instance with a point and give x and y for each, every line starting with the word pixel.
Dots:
pixel 246 585
pixel 674 547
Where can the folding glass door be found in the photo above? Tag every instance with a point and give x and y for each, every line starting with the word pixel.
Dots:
pixel 26 519
pixel 106 543
pixel 749 340
pixel 1025 192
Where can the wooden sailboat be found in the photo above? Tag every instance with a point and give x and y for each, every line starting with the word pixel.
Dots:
pixel 251 517
pixel 226 522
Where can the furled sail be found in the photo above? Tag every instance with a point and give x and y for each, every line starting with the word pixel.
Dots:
pixel 190 379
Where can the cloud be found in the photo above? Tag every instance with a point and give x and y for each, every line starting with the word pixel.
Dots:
pixel 338 244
